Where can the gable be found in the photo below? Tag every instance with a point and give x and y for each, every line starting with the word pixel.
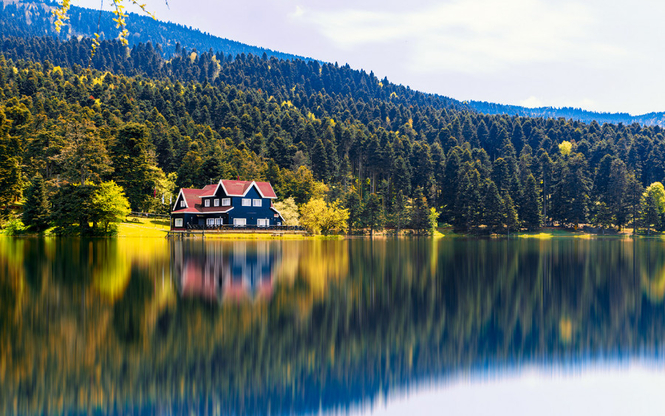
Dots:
pixel 180 197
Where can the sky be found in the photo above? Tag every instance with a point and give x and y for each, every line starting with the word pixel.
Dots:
pixel 600 55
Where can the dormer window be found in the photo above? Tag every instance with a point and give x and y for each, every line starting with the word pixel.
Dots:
pixel 182 203
pixel 216 202
pixel 226 202
pixel 206 203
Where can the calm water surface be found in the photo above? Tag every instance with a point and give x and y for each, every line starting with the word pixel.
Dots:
pixel 415 326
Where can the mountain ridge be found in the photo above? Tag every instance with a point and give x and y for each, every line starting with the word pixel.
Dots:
pixel 85 22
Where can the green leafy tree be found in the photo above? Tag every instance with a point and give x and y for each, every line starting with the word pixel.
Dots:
pixel 653 206
pixel 108 206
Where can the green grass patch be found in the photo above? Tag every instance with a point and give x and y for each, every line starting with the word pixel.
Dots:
pixel 140 227
pixel 539 236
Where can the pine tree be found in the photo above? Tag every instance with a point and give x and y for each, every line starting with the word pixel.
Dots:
pixel 650 212
pixel 493 212
pixel 420 216
pixel 135 171
pixel 373 215
pixel 512 221
pixel 36 209
pixel 530 207
pixel 319 158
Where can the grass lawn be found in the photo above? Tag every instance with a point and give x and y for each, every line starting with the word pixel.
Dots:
pixel 143 227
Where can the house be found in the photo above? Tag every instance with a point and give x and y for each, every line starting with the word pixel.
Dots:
pixel 234 203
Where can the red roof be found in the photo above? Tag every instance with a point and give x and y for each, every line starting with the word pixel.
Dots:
pixel 266 189
pixel 208 190
pixel 239 188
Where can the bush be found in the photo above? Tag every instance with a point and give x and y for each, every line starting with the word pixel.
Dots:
pixel 15 227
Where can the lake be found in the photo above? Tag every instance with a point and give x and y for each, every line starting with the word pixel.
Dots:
pixel 359 326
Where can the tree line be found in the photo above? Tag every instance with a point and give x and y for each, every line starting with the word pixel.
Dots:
pixel 321 131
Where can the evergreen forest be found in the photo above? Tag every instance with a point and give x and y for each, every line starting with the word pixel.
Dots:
pixel 386 153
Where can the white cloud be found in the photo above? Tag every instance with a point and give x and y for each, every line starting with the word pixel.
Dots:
pixel 531 102
pixel 471 36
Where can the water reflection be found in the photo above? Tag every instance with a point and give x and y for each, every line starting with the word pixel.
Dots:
pixel 220 270
pixel 258 327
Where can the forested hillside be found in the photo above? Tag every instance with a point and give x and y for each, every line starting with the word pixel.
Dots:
pixel 312 130
pixel 33 18
pixel 650 119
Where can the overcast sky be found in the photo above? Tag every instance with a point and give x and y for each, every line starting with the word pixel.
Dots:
pixel 601 55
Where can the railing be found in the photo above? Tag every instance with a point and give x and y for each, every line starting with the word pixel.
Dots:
pixel 228 227
pixel 148 215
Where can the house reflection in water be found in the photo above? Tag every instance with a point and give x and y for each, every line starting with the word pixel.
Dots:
pixel 222 270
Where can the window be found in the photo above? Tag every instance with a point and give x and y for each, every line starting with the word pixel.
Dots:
pixel 206 203
pixel 182 203
pixel 216 202
pixel 210 222
pixel 246 202
pixel 218 221
pixel 263 222
pixel 239 222
pixel 226 202
pixel 178 223
pixel 257 202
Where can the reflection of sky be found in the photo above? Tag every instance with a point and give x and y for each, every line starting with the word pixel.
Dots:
pixel 634 388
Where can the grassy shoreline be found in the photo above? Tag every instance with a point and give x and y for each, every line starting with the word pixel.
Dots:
pixel 140 227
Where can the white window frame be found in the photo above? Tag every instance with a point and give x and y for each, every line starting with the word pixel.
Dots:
pixel 226 202
pixel 206 203
pixel 182 203
pixel 216 202
pixel 177 223
pixel 219 221
pixel 257 202
pixel 210 222
pixel 263 222
pixel 240 222
pixel 247 202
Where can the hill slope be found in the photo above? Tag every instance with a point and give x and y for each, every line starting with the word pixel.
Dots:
pixel 33 18
pixel 29 18
pixel 650 119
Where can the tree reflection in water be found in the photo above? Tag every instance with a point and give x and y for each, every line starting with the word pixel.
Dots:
pixel 216 327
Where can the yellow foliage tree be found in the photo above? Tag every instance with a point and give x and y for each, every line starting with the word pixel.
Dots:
pixel 319 217
pixel 289 211
pixel 565 147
